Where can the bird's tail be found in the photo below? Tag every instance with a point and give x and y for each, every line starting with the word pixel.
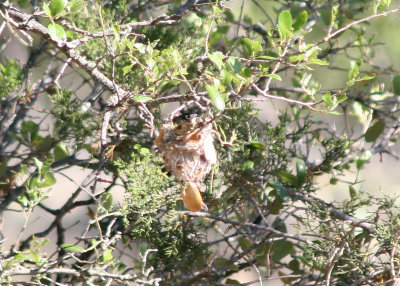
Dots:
pixel 192 198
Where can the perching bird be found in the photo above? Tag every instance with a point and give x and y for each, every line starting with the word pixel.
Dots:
pixel 186 146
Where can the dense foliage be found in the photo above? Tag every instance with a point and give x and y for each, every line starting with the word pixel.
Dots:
pixel 89 97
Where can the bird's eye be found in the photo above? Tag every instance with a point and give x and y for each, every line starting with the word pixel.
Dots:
pixel 184 117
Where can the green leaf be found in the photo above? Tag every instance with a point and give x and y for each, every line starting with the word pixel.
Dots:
pixel 116 32
pixel 48 180
pixel 276 205
pixel 216 98
pixel 374 131
pixel 38 164
pixel 381 4
pixel 285 24
pixel 301 170
pixel 126 69
pixel 23 200
pixel 233 64
pixel 222 262
pixel 3 167
pixel 333 181
pixel 396 85
pixel 316 61
pixel 352 192
pixel 244 243
pixel 68 247
pixel 294 265
pixel 364 158
pixel 216 58
pixel 246 72
pixel 354 69
pixel 328 15
pixel 31 183
pixel 44 143
pixel 170 84
pixel 107 255
pixel 280 190
pixel 251 47
pixel 144 151
pixel 77 5
pixel 274 76
pixel 247 165
pixel 267 58
pixel 46 9
pixel 57 7
pixel 301 20
pixel 286 177
pixel 296 58
pixel 57 32
pixel 20 257
pixel 60 152
pixel 29 130
pixel 226 78
pixel 342 97
pixel 216 36
pixel 121 267
pixel 143 247
pixel 362 112
pixel 35 256
pixel 256 145
pixel 230 281
pixel 141 98
pixel 367 77
pixel 327 98
pixel 281 248
pixel 107 201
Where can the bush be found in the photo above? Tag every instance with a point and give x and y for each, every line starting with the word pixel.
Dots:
pixel 102 79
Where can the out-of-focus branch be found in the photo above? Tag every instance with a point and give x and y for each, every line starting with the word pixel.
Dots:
pixel 355 23
pixel 69 271
pixel 246 224
pixel 334 212
pixel 289 100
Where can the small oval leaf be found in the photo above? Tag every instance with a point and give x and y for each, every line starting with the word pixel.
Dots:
pixel 396 85
pixel 285 24
pixel 126 69
pixel 48 181
pixel 374 131
pixel 244 243
pixel 216 98
pixel 107 255
pixel 46 9
pixel 107 201
pixel 141 98
pixel 57 7
pixel 274 76
pixel 72 247
pixel 354 69
pixel 60 152
pixel 286 177
pixel 301 169
pixel 57 32
pixel 301 20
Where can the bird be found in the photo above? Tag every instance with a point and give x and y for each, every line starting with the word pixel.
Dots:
pixel 187 148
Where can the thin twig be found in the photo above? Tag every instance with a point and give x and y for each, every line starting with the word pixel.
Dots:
pixel 261 92
pixel 352 24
